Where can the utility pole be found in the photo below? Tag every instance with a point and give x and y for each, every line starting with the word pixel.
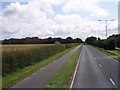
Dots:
pixel 106 25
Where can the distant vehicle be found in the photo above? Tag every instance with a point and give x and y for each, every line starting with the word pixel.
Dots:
pixel 84 43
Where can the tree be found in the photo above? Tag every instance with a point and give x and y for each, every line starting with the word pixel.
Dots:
pixel 91 40
pixel 50 40
pixel 69 40
pixel 78 40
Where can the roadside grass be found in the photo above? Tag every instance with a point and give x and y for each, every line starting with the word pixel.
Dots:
pixel 109 54
pixel 0 82
pixel 62 77
pixel 115 51
pixel 14 77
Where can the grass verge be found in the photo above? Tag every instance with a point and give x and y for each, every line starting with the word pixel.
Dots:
pixel 115 51
pixel 109 54
pixel 62 77
pixel 14 77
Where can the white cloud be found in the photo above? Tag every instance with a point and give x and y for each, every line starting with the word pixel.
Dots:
pixel 90 6
pixel 26 20
pixel 33 19
pixel 53 2
pixel 99 12
pixel 68 19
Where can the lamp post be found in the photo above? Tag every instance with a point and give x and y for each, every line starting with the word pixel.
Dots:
pixel 106 24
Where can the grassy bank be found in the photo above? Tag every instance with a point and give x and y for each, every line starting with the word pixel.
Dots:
pixel 13 77
pixel 109 54
pixel 61 79
pixel 115 51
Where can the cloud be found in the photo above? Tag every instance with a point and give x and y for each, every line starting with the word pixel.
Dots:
pixel 90 6
pixel 38 18
pixel 26 20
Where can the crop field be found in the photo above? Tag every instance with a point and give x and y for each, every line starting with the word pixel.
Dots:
pixel 15 47
pixel 15 57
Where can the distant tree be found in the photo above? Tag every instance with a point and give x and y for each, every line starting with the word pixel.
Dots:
pixel 91 40
pixel 69 40
pixel 99 38
pixel 110 43
pixel 50 40
pixel 36 40
pixel 78 40
pixel 117 41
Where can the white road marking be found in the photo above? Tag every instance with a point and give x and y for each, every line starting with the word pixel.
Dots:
pixel 71 85
pixel 100 65
pixel 112 81
pixel 112 58
pixel 74 74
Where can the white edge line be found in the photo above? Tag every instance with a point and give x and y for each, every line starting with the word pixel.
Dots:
pixel 71 85
pixel 100 65
pixel 112 58
pixel 112 81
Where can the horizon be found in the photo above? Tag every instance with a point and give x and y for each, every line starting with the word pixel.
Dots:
pixel 60 37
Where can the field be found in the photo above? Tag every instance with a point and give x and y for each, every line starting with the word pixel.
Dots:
pixel 17 59
pixel 15 47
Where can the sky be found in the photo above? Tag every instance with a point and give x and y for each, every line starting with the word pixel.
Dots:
pixel 58 18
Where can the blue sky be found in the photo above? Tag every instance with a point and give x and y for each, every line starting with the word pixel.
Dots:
pixel 57 16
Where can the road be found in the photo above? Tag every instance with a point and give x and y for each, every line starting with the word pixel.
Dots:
pixel 40 78
pixel 96 70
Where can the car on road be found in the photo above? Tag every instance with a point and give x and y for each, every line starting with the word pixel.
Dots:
pixel 84 43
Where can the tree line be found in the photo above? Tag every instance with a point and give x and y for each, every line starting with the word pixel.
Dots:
pixel 36 40
pixel 110 43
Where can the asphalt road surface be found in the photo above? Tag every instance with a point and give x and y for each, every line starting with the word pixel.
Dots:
pixel 96 70
pixel 40 78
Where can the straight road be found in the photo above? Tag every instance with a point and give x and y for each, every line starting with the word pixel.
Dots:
pixel 96 70
pixel 40 78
